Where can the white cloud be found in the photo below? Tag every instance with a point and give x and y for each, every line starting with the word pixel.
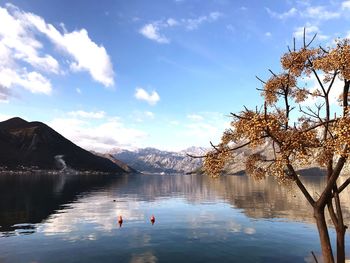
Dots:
pixel 336 91
pixel 204 127
pixel 100 137
pixel 152 98
pixel 310 31
pixel 24 63
pixel 202 130
pixel 34 82
pixel 290 13
pixel 141 116
pixel 268 34
pixel 16 37
pixel 172 22
pixel 4 94
pixel 149 114
pixel 345 4
pixel 78 90
pixel 311 12
pixel 18 45
pixel 195 117
pixel 320 13
pixel 215 15
pixel 89 115
pixel 151 31
pixel 86 54
pixel 192 24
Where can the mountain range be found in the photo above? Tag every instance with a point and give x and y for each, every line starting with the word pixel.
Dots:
pixel 152 160
pixel 35 145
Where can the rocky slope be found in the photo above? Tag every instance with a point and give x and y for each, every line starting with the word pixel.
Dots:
pixel 152 160
pixel 36 145
pixel 121 164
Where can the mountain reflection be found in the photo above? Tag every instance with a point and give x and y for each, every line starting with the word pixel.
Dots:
pixel 26 200
pixel 258 199
pixel 68 204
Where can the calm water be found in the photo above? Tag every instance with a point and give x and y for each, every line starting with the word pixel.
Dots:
pixel 198 219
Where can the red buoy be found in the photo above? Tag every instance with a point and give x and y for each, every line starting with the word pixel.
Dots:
pixel 120 221
pixel 153 219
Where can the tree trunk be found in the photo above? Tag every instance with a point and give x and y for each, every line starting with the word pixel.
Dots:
pixel 324 236
pixel 341 245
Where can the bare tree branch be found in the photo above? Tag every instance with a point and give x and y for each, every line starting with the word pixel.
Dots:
pixel 344 185
pixel 301 185
pixel 264 82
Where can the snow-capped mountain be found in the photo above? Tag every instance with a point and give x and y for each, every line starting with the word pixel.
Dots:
pixel 156 161
pixel 195 151
pixel 152 160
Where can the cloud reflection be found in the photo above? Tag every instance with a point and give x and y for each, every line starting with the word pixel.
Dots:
pixel 97 213
pixel 147 257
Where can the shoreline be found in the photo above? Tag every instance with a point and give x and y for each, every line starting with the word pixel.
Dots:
pixel 35 171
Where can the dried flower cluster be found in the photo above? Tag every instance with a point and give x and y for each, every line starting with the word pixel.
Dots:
pixel 341 141
pixel 276 85
pixel 216 160
pixel 298 62
pixel 336 60
pixel 253 168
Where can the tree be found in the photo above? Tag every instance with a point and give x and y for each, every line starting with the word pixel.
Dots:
pixel 299 133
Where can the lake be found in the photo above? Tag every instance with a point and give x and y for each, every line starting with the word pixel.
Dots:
pixel 66 218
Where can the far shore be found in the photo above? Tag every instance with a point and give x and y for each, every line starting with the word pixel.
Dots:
pixel 32 171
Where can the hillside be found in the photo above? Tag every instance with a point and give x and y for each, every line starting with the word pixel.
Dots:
pixel 34 144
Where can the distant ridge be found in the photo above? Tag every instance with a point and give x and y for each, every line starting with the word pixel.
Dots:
pixel 34 144
pixel 121 164
pixel 151 160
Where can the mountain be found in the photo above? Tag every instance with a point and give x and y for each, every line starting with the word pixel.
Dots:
pixel 123 165
pixel 34 144
pixel 156 161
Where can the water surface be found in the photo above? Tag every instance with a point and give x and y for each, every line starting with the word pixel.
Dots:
pixel 55 218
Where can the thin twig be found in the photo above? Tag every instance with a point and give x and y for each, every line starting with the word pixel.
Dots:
pixel 264 82
pixel 273 73
pixel 313 38
pixel 313 254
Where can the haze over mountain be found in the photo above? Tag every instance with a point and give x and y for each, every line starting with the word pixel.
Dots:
pixel 34 144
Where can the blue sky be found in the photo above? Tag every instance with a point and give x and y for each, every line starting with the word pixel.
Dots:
pixel 165 74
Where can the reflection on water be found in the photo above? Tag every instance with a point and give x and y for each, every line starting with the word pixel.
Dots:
pixel 47 218
pixel 27 200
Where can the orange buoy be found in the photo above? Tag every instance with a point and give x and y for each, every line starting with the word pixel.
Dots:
pixel 153 219
pixel 120 221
